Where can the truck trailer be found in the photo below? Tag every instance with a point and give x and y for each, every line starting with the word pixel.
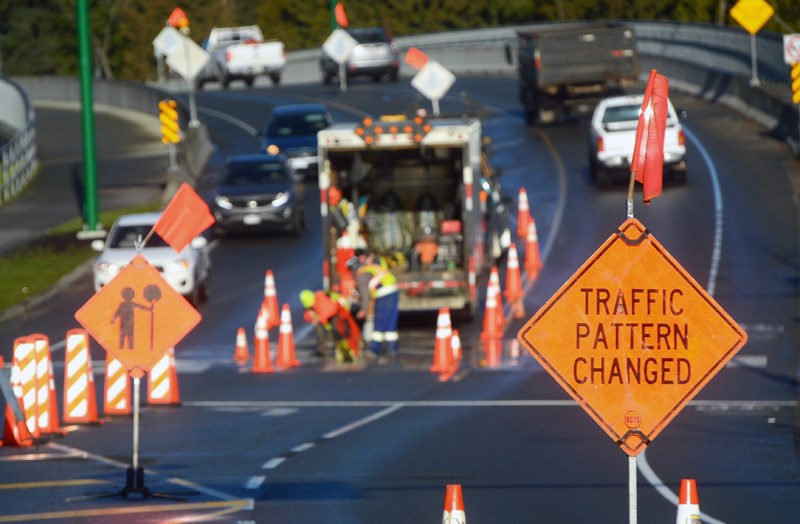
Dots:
pixel 420 195
pixel 567 67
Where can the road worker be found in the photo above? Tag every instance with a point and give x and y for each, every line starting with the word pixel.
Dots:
pixel 328 313
pixel 378 294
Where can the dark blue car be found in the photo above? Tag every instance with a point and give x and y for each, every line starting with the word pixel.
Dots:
pixel 291 130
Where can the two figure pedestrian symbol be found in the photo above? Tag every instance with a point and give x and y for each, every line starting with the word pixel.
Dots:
pixel 126 313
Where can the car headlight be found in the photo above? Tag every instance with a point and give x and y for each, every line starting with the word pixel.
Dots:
pixel 223 202
pixel 272 149
pixel 107 268
pixel 280 199
pixel 178 266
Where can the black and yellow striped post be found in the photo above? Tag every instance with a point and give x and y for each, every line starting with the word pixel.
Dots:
pixel 170 128
pixel 796 82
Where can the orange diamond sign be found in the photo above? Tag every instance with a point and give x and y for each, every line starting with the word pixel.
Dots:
pixel 632 337
pixel 138 316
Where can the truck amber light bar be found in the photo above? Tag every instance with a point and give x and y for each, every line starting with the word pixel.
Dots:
pixel 370 130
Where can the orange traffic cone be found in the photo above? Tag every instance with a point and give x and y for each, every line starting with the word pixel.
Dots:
pixel 513 291
pixel 494 280
pixel 162 381
pixel 80 399
pixel 688 503
pixel 271 301
pixel 117 393
pixel 533 262
pixel 454 506
pixel 286 355
pixel 242 353
pixel 493 320
pixel 262 361
pixel 523 213
pixel 443 350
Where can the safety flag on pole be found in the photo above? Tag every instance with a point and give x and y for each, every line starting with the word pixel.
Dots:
pixel 185 217
pixel 647 163
pixel 341 16
pixel 416 58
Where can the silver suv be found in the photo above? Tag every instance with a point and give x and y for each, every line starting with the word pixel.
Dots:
pixel 375 55
pixel 612 134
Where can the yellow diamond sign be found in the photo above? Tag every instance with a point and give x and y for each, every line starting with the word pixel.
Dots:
pixel 752 14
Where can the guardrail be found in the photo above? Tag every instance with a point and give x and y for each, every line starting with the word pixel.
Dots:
pixel 18 160
pixel 710 61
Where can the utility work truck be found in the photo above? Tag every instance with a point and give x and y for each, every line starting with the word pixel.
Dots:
pixel 565 69
pixel 419 194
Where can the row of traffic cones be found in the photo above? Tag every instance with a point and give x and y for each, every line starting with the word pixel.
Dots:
pixel 688 504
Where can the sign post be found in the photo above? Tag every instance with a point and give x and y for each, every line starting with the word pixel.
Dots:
pixel 632 337
pixel 433 81
pixel 338 46
pixel 136 318
pixel 752 15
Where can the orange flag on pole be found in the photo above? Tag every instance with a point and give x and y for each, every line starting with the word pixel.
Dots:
pixel 647 162
pixel 341 16
pixel 416 58
pixel 185 217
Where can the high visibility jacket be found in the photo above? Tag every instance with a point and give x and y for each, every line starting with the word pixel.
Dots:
pixel 381 282
pixel 323 310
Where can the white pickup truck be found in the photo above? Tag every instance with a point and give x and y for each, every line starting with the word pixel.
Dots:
pixel 612 135
pixel 240 53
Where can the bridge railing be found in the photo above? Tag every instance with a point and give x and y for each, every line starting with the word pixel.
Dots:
pixel 18 160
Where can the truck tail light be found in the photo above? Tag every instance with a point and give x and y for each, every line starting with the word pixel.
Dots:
pixel 228 56
pixel 600 145
pixel 681 138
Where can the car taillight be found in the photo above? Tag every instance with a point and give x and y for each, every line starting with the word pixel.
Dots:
pixel 600 145
pixel 537 60
pixel 228 56
pixel 681 138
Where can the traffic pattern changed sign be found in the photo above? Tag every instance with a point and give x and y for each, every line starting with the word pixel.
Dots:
pixel 632 337
pixel 137 316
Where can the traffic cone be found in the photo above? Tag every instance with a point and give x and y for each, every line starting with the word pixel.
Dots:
pixel 242 353
pixel 454 506
pixel 494 281
pixel 262 360
pixel 455 343
pixel 271 301
pixel 162 381
pixel 688 503
pixel 23 380
pixel 80 400
pixel 117 389
pixel 523 213
pixel 513 291
pixel 533 262
pixel 493 320
pixel 15 429
pixel 443 350
pixel 286 357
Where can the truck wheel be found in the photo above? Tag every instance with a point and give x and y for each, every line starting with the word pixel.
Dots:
pixel 275 77
pixel 226 81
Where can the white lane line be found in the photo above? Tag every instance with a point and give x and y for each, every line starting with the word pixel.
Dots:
pixel 255 482
pixel 273 463
pixel 363 422
pixel 302 447
pixel 641 463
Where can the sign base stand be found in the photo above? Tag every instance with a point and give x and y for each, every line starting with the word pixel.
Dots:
pixel 134 475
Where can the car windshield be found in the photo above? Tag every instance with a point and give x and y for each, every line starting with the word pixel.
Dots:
pixel 616 114
pixel 297 125
pixel 234 175
pixel 128 237
pixel 370 36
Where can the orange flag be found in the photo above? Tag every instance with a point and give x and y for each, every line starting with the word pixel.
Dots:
pixel 185 217
pixel 341 16
pixel 648 152
pixel 416 58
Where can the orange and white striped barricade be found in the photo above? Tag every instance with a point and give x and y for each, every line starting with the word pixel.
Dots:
pixel 162 381
pixel 117 391
pixel 80 398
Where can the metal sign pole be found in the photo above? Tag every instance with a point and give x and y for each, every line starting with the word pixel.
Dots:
pixel 435 104
pixel 632 505
pixel 135 460
pixel 754 81
pixel 342 77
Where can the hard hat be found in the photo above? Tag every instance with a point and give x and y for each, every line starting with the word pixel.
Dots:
pixel 307 298
pixel 334 195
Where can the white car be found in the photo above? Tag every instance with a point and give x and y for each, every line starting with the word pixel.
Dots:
pixel 188 272
pixel 612 135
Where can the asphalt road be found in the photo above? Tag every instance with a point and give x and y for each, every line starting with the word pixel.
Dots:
pixel 328 443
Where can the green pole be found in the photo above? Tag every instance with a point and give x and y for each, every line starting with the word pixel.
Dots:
pixel 334 25
pixel 90 213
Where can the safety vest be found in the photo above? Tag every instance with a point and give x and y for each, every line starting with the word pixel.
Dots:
pixel 382 283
